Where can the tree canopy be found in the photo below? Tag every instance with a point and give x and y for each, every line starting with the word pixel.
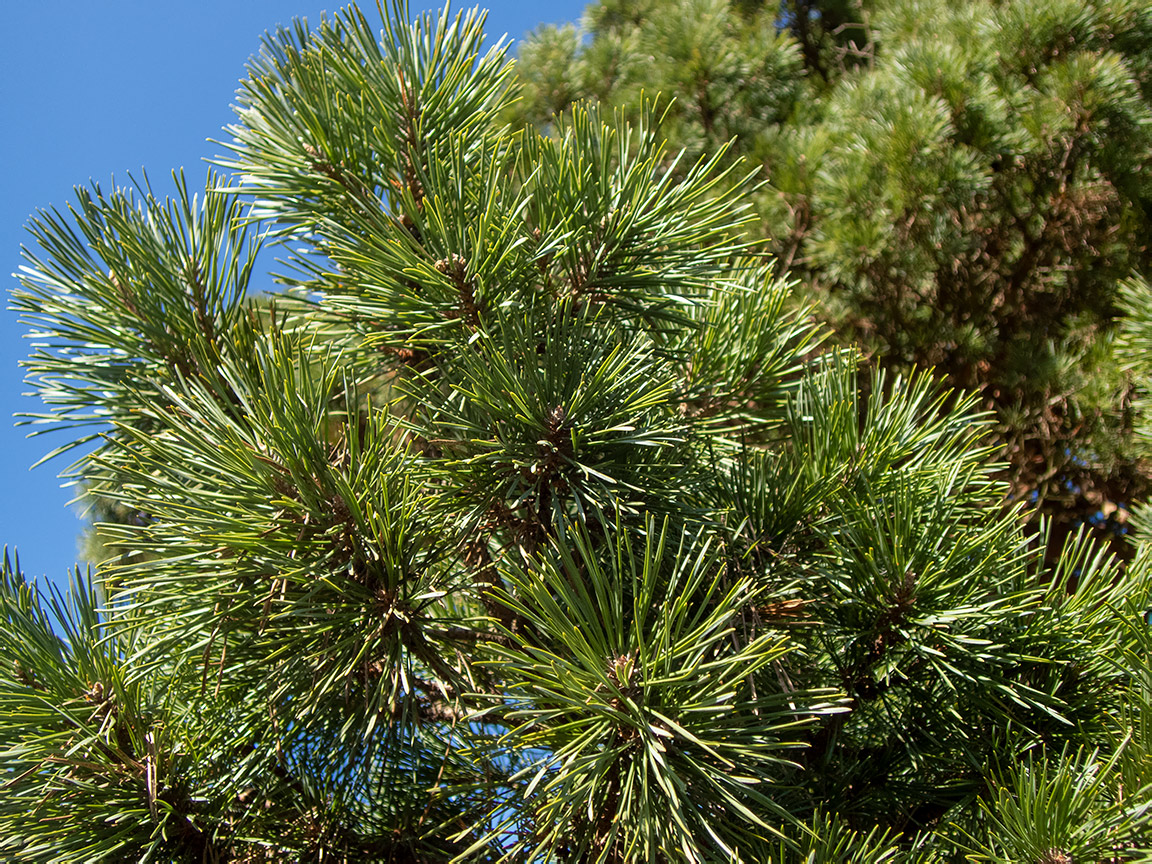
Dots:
pixel 961 185
pixel 537 520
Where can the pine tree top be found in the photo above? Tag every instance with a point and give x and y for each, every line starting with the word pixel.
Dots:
pixel 533 521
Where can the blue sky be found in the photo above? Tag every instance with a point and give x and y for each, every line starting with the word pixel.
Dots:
pixel 93 90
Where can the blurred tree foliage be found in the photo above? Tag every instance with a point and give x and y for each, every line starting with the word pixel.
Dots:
pixel 959 183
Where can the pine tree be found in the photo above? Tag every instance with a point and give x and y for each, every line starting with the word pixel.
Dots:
pixel 962 185
pixel 532 522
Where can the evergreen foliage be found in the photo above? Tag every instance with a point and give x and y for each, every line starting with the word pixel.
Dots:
pixel 963 185
pixel 535 522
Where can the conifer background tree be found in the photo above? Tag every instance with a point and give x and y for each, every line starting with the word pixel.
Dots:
pixel 535 522
pixel 962 185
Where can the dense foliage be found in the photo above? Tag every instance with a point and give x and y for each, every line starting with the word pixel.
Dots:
pixel 963 185
pixel 536 522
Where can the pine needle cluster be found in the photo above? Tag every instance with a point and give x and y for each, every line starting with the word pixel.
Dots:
pixel 534 522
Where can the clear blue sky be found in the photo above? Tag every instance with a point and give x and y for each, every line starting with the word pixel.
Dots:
pixel 95 89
